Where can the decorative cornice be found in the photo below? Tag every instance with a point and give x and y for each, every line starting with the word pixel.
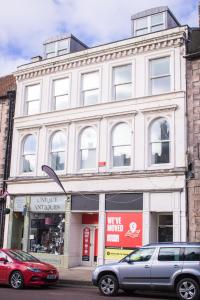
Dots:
pixel 172 107
pixel 91 57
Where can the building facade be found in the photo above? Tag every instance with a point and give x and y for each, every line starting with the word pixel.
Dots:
pixel 7 105
pixel 110 120
pixel 193 119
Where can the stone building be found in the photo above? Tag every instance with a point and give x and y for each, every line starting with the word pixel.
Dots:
pixel 110 120
pixel 7 105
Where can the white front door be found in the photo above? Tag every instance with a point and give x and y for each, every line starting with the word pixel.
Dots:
pixel 89 245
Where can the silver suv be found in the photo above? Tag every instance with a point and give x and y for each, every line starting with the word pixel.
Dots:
pixel 174 266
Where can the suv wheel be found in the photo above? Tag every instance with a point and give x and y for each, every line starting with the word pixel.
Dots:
pixel 188 289
pixel 16 280
pixel 108 285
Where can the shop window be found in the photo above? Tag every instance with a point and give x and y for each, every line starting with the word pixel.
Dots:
pixel 57 151
pixel 60 93
pixel 121 145
pixel 160 75
pixel 160 141
pixel 47 233
pixel 29 154
pixel 169 254
pixel 88 144
pixel 122 82
pixel 32 99
pixel 90 88
pixel 165 228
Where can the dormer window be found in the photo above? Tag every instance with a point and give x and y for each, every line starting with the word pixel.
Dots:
pixel 56 48
pixel 149 24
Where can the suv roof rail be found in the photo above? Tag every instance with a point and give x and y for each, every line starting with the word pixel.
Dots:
pixel 172 243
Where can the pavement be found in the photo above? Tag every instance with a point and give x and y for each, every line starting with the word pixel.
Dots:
pixel 77 276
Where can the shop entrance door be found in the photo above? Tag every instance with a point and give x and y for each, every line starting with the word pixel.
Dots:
pixel 89 245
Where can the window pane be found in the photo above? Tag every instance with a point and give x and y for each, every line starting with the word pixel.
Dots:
pixel 121 156
pixel 141 31
pixel 49 55
pixel 165 220
pixel 122 74
pixel 61 86
pixel 160 85
pixel 90 97
pixel 62 44
pixel 141 23
pixel 33 92
pixel 58 160
pixel 165 234
pixel 58 142
pixel 29 145
pixel 88 138
pixel 88 159
pixel 62 102
pixel 123 92
pixel 157 28
pixel 90 81
pixel 160 130
pixel 157 19
pixel 50 47
pixel 33 107
pixel 160 153
pixel 28 163
pixel 192 254
pixel 48 232
pixel 142 254
pixel 160 67
pixel 121 135
pixel 169 254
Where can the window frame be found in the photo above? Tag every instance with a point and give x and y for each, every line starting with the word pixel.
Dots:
pixel 181 256
pixel 82 91
pixel 95 168
pixel 159 142
pixel 64 151
pixel 26 101
pixel 53 97
pixel 22 154
pixel 151 78
pixel 149 24
pixel 113 97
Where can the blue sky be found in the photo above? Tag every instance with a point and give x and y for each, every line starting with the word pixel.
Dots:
pixel 25 24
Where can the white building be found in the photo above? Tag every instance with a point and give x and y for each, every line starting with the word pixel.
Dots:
pixel 110 120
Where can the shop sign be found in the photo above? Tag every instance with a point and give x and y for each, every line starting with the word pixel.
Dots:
pixel 47 203
pixel 116 253
pixel 86 244
pixel 19 204
pixel 123 230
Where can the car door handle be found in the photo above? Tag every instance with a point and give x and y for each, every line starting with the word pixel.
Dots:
pixel 176 266
pixel 147 266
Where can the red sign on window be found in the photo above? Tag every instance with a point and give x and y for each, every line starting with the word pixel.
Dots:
pixel 124 230
pixel 86 244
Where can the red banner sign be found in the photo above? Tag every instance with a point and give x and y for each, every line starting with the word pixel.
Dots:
pixel 124 230
pixel 86 244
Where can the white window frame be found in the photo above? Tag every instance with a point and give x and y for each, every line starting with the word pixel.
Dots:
pixel 149 26
pixel 162 141
pixel 23 136
pixel 121 84
pixel 36 100
pixel 94 89
pixel 56 50
pixel 50 151
pixel 80 150
pixel 54 97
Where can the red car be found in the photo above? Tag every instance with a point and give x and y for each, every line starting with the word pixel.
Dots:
pixel 18 269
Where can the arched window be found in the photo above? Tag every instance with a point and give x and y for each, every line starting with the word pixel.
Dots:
pixel 57 151
pixel 160 141
pixel 88 144
pixel 29 154
pixel 121 145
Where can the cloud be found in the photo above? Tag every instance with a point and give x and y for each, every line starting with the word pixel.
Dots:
pixel 25 24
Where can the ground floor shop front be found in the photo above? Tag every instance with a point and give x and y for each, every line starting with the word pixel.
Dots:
pixel 93 228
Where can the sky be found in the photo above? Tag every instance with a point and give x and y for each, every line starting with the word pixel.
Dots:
pixel 26 24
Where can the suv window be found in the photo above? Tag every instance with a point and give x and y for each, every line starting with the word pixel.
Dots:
pixel 142 254
pixel 192 254
pixel 169 254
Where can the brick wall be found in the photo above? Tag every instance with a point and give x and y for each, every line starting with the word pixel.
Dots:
pixel 193 117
